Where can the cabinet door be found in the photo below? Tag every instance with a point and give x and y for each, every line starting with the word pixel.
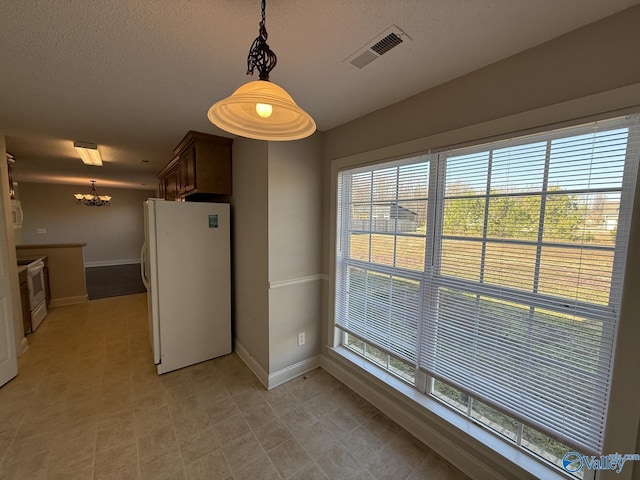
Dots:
pixel 171 184
pixel 161 192
pixel 188 170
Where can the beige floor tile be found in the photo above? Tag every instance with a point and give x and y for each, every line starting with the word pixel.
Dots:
pixel 242 450
pixel 272 434
pixel 338 464
pixel 299 419
pixel 119 462
pixel 167 465
pixel 200 443
pixel 289 458
pixel 259 469
pixel 310 472
pixel 114 430
pixel 363 444
pixel 211 466
pixel 157 441
pixel 316 438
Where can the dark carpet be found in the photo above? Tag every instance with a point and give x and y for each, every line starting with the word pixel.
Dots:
pixel 113 281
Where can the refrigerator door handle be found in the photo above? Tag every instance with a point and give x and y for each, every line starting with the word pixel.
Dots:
pixel 143 272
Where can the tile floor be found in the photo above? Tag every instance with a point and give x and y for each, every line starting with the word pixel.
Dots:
pixel 87 404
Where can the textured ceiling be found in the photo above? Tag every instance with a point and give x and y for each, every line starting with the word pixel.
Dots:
pixel 134 76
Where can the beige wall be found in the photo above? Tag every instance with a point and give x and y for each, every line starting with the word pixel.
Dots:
pixel 587 72
pixel 295 238
pixel 113 234
pixel 250 243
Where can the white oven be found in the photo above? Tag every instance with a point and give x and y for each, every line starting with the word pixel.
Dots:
pixel 37 293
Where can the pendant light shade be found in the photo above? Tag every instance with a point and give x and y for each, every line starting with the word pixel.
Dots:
pixel 262 110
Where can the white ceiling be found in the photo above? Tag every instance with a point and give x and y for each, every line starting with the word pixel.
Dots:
pixel 134 76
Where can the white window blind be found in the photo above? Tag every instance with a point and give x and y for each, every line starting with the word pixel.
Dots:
pixel 508 286
pixel 381 252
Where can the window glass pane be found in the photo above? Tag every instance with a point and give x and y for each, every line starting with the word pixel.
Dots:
pixel 360 219
pixel 463 216
pixel 361 187
pixel 383 249
pixel 354 343
pixel 594 160
pixel 376 356
pixel 451 396
pixel 564 217
pixel 467 173
pixel 517 169
pixel 601 218
pixel 384 310
pixel 413 181
pixel 515 217
pixel 582 218
pixel 385 183
pixel 411 216
pixel 403 370
pixel 359 246
pixel 510 265
pixel 547 448
pixel 495 420
pixel 576 273
pixel 461 259
pixel 410 252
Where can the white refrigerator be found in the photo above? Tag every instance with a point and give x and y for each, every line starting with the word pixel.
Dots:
pixel 186 270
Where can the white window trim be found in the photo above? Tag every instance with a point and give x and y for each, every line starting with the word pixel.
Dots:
pixel 625 395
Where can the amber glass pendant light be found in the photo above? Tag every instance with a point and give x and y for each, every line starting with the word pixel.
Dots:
pixel 261 109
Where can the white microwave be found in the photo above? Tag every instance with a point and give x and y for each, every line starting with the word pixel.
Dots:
pixel 16 214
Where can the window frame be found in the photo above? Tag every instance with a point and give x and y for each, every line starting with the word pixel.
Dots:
pixel 409 150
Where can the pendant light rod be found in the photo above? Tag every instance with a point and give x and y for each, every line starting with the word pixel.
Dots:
pixel 260 54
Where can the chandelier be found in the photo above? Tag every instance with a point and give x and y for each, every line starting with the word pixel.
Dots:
pixel 261 109
pixel 92 199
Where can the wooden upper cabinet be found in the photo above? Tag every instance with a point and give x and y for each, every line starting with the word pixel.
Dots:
pixel 200 169
pixel 171 188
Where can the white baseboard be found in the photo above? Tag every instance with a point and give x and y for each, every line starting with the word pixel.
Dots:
pixel 110 263
pixel 63 301
pixel 293 371
pixel 252 363
pixel 281 376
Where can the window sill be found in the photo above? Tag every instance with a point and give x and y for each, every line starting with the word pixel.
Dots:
pixel 484 447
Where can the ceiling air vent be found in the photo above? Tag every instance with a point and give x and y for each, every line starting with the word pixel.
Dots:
pixel 387 40
pixel 386 44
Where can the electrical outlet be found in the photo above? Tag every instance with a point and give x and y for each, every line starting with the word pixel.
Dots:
pixel 301 338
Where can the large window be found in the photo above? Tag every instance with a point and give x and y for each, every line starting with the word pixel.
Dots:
pixel 490 277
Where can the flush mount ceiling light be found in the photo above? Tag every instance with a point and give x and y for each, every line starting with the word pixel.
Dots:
pixel 88 153
pixel 261 109
pixel 92 199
